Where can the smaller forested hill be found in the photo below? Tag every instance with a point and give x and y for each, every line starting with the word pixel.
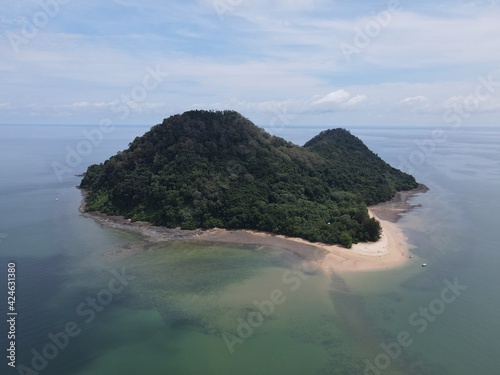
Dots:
pixel 354 167
pixel 206 169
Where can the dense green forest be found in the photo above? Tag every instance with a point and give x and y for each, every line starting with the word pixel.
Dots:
pixel 206 169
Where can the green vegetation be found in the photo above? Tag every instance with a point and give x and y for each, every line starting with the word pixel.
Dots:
pixel 206 169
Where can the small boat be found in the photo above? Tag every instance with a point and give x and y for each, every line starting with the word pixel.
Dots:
pixel 424 264
pixel 411 256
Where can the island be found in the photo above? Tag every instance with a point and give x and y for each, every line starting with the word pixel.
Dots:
pixel 206 171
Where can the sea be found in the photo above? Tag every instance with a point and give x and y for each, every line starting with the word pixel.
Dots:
pixel 91 300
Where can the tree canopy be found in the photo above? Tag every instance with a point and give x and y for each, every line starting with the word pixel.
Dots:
pixel 206 169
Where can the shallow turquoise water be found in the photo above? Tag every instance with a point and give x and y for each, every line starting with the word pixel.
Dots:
pixel 181 300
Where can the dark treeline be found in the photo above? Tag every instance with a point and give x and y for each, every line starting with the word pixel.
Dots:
pixel 206 169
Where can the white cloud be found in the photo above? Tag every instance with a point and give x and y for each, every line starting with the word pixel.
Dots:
pixel 418 103
pixel 335 97
pixel 354 101
pixel 415 99
pixel 340 99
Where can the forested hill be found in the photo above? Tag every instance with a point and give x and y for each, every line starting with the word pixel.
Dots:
pixel 206 169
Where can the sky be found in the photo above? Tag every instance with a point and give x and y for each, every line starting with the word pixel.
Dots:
pixel 279 63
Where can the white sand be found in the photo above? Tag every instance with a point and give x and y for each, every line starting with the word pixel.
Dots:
pixel 389 252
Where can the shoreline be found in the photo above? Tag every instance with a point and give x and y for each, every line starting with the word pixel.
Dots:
pixel 391 251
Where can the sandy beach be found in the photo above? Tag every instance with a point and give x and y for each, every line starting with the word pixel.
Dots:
pixel 391 251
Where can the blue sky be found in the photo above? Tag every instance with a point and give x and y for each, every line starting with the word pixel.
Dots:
pixel 297 62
